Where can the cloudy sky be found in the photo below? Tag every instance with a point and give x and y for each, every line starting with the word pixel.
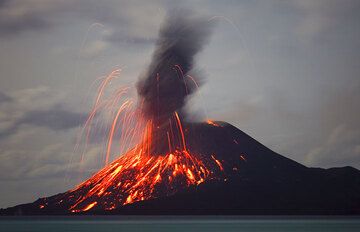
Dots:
pixel 285 72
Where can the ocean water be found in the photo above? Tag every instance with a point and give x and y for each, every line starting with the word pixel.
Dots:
pixel 188 224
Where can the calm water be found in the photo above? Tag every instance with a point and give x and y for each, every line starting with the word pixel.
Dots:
pixel 188 224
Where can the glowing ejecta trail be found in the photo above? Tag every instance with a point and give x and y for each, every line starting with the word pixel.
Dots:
pixel 121 109
pixel 181 130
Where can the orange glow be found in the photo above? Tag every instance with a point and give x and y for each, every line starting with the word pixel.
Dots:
pixel 89 206
pixel 181 130
pixel 138 176
pixel 190 175
pixel 212 123
pixel 127 103
pixel 217 162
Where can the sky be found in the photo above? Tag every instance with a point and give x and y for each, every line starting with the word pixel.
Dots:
pixel 284 72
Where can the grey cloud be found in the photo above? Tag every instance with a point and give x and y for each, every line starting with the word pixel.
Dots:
pixel 340 148
pixel 54 118
pixel 52 115
pixel 16 17
pixel 323 16
pixel 27 22
pixel 127 22
pixel 339 128
pixel 4 97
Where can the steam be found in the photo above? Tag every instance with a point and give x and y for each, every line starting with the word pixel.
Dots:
pixel 164 87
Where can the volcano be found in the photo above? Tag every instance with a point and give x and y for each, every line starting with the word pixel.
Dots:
pixel 180 167
pixel 221 171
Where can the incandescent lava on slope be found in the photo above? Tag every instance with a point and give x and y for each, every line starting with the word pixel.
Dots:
pixel 138 175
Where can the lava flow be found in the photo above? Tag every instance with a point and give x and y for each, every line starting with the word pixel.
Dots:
pixel 139 175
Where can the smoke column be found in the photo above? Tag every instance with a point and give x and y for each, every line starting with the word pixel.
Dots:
pixel 165 85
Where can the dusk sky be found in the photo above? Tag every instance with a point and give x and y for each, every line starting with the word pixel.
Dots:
pixel 285 72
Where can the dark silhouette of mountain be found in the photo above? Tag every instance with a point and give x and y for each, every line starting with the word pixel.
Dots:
pixel 255 180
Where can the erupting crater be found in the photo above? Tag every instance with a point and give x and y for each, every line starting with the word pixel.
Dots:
pixel 139 175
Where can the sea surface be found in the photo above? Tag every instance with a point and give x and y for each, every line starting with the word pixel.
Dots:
pixel 172 223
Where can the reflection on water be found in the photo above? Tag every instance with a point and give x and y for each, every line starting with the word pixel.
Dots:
pixel 188 224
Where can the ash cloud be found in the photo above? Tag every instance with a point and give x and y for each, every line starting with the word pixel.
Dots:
pixel 165 85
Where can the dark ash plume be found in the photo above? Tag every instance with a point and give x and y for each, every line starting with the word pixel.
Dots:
pixel 165 85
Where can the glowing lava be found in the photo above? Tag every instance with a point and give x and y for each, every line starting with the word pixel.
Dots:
pixel 139 175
